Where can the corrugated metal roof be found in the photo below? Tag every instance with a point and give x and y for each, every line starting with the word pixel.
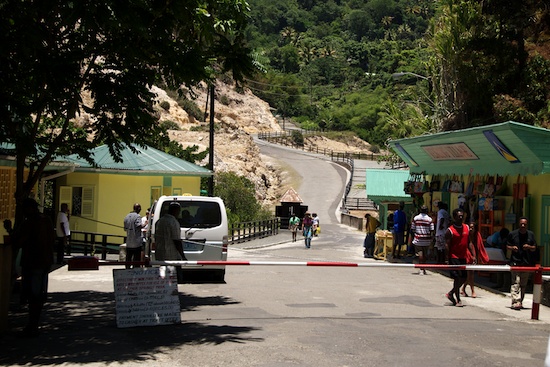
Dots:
pixel 148 161
pixel 386 185
pixel 508 148
pixel 291 196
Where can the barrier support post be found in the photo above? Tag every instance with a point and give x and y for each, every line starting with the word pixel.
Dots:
pixel 537 292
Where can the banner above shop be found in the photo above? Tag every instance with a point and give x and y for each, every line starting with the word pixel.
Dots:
pixel 508 148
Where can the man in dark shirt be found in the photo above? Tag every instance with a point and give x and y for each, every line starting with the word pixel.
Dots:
pixel 521 242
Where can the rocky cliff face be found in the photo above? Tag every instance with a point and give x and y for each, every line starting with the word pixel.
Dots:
pixel 239 117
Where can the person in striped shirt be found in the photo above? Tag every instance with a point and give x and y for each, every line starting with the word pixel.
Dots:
pixel 422 227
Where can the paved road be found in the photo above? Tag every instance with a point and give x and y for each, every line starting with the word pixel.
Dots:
pixel 289 315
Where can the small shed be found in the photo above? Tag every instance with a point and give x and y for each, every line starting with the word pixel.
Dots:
pixel 385 188
pixel 291 204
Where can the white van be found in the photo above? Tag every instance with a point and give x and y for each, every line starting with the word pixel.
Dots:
pixel 204 229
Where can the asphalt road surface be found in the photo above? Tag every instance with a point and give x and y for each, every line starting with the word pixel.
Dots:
pixel 290 315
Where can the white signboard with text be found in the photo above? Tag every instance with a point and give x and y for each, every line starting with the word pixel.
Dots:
pixel 146 296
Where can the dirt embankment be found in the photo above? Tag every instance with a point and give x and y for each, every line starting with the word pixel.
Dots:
pixel 236 119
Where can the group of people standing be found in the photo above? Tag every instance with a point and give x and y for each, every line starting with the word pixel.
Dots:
pixel 458 243
pixel 309 226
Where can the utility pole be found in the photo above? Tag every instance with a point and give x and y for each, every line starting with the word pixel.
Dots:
pixel 211 143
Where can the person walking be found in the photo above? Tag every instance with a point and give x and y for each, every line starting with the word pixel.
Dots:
pixel 422 227
pixel 307 231
pixel 294 223
pixel 481 258
pixel 442 223
pixel 63 232
pixel 521 242
pixel 169 245
pixel 134 237
pixel 399 226
pixel 457 245
pixel 36 237
pixel 316 227
pixel 368 243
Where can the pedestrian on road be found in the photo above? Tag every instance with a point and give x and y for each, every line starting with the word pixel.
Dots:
pixel 316 225
pixel 168 235
pixel 134 237
pixel 368 243
pixel 63 232
pixel 294 223
pixel 422 227
pixel 307 224
pixel 36 237
pixel 482 258
pixel 524 252
pixel 399 226
pixel 457 245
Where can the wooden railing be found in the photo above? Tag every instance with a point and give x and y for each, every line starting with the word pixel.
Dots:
pixel 248 231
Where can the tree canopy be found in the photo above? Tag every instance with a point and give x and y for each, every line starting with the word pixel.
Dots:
pixel 78 74
pixel 330 63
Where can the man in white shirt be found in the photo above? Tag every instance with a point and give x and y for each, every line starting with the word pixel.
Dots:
pixel 62 232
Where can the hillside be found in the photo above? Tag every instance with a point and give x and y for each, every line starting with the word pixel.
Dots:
pixel 243 115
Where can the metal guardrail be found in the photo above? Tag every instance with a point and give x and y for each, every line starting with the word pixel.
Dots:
pixel 91 243
pixel 285 138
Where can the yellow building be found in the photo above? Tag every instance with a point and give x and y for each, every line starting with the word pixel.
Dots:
pixel 100 195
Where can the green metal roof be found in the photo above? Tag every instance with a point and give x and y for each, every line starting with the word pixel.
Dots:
pixel 386 185
pixel 508 148
pixel 148 161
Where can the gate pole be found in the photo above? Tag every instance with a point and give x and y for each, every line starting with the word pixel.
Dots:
pixel 537 291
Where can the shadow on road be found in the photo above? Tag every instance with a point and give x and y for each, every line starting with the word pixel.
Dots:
pixel 80 327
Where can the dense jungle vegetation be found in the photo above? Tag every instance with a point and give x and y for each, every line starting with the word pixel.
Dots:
pixel 332 64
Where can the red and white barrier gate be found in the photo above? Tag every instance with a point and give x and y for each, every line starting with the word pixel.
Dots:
pixel 537 270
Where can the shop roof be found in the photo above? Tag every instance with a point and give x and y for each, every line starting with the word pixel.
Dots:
pixel 508 148
pixel 147 161
pixel 386 185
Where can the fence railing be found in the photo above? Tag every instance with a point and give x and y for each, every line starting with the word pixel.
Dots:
pixel 248 231
pixel 95 243
pixel 90 243
pixel 285 138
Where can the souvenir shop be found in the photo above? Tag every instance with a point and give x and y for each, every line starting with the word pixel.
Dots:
pixel 495 173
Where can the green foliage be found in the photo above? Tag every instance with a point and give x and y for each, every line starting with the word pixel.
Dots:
pixel 165 105
pixel 238 194
pixel 56 54
pixel 169 125
pixel 191 108
pixel 330 62
pixel 224 99
pixel 297 138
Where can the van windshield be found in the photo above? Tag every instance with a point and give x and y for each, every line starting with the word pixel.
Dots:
pixel 196 214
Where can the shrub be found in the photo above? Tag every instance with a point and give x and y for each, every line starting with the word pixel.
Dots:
pixel 191 108
pixel 165 105
pixel 297 138
pixel 169 125
pixel 224 99
pixel 375 149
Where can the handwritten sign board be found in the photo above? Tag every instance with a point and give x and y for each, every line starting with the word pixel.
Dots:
pixel 146 296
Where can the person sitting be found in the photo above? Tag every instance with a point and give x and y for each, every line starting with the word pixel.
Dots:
pixel 498 239
pixel 186 218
